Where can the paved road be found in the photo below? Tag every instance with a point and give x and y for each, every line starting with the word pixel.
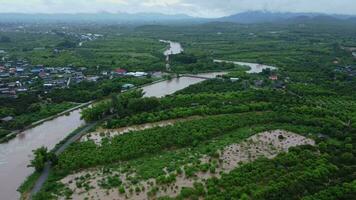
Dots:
pixel 42 179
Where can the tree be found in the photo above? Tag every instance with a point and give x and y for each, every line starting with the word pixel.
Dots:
pixel 40 158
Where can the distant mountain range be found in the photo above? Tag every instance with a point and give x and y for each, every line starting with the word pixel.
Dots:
pixel 145 18
pixel 279 17
pixel 93 17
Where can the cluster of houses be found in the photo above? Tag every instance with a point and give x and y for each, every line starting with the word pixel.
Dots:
pixel 19 77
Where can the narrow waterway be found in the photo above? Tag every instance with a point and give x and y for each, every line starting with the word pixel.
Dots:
pixel 173 49
pixel 254 67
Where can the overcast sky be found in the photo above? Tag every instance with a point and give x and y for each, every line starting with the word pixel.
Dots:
pixel 200 8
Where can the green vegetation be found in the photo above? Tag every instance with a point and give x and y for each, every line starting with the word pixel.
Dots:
pixel 313 97
pixel 30 108
pixel 41 157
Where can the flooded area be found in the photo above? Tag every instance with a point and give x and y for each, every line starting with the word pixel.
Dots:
pixel 265 144
pixel 101 133
pixel 17 153
pixel 254 67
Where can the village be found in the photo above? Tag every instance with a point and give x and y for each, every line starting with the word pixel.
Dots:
pixel 19 76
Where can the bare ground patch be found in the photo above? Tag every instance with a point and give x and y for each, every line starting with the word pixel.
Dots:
pixel 266 144
pixel 101 133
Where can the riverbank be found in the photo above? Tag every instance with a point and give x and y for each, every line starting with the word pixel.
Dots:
pixel 35 181
pixel 34 124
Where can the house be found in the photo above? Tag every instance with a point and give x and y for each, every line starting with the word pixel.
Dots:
pixel 157 74
pixel 12 84
pixel 2 68
pixel 22 89
pixel 7 119
pixel 120 71
pixel 127 86
pixel 36 70
pixel 12 70
pixel 4 75
pixel 48 85
pixel 137 74
pixel 234 79
pixel 130 74
pixel 42 74
pixel 92 78
pixel 140 74
pixel 273 77
pixel 19 69
pixel 4 90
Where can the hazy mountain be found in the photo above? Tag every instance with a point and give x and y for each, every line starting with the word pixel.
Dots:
pixel 95 17
pixel 157 18
pixel 276 17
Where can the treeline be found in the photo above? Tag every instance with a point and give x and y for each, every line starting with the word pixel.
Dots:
pixel 152 141
pixel 87 91
pixel 122 105
pixel 183 112
pixel 193 63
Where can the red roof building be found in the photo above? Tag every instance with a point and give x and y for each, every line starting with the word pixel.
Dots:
pixel 273 77
pixel 120 71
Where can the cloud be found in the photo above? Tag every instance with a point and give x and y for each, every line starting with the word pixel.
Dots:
pixel 205 8
pixel 161 3
pixel 124 2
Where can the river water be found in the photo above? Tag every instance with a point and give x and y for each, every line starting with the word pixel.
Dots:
pixel 16 154
pixel 174 48
pixel 254 67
